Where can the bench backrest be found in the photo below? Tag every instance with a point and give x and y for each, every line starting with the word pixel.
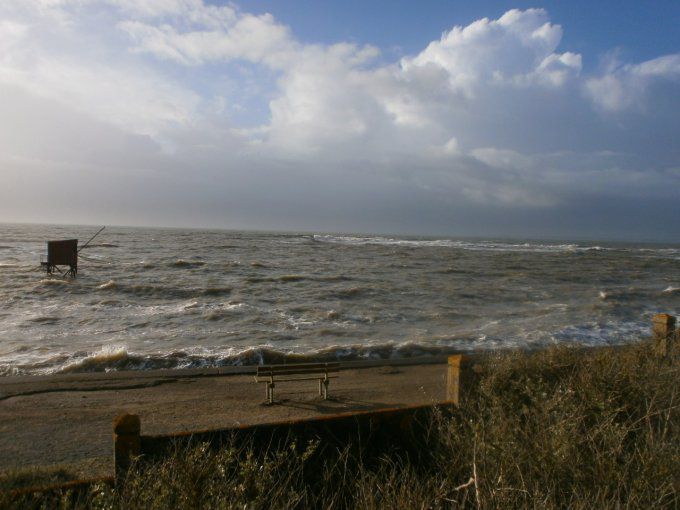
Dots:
pixel 297 369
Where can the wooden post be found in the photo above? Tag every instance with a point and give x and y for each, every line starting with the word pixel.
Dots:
pixel 453 379
pixel 126 443
pixel 665 337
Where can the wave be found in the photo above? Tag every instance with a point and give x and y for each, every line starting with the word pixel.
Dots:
pixel 222 311
pixel 350 293
pixel 54 282
pixel 45 319
pixel 492 246
pixel 118 357
pixel 286 278
pixel 163 292
pixel 215 291
pixel 457 244
pixel 293 278
pixel 671 290
pixel 188 264
pixel 110 357
pixel 625 295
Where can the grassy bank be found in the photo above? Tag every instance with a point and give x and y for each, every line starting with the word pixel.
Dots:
pixel 561 428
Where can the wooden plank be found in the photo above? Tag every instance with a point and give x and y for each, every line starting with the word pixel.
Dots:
pixel 302 369
pixel 318 377
pixel 301 365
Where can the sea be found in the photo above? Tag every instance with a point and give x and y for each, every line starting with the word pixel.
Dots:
pixel 147 298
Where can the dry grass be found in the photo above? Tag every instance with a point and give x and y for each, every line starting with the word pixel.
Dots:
pixel 561 428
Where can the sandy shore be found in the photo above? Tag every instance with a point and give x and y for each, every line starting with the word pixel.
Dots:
pixel 65 420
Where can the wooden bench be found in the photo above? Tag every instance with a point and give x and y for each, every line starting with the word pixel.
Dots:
pixel 271 374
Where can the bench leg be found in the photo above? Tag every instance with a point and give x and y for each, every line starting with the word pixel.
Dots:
pixel 326 382
pixel 320 387
pixel 270 391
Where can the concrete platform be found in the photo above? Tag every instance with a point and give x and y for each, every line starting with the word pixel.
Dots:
pixel 66 420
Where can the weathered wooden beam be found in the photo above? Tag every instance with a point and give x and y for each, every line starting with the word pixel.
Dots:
pixel 126 443
pixel 453 379
pixel 664 334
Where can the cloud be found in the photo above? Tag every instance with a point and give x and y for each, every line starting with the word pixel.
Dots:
pixel 252 38
pixel 519 47
pixel 626 87
pixel 221 117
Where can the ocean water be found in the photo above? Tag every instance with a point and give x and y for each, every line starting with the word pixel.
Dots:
pixel 170 298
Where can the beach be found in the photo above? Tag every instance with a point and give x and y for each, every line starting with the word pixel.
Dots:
pixel 65 421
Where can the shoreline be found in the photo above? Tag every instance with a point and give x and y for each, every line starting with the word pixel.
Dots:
pixel 108 380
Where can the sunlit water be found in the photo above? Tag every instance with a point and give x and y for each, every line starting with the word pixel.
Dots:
pixel 152 298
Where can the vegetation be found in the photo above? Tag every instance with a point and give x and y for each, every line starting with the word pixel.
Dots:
pixel 561 428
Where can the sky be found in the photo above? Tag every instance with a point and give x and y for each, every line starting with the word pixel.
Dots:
pixel 489 118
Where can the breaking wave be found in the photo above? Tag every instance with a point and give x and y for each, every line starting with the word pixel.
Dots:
pixel 451 243
pixel 162 291
pixel 117 357
pixel 56 282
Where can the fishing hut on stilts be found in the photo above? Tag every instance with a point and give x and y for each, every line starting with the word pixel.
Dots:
pixel 64 253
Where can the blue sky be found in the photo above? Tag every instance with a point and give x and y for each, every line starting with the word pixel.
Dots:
pixel 433 118
pixel 641 30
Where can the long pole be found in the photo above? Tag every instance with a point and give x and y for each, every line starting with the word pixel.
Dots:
pixel 91 238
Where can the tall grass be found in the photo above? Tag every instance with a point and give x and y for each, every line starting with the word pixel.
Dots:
pixel 561 428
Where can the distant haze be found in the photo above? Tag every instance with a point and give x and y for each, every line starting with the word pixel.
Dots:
pixel 198 114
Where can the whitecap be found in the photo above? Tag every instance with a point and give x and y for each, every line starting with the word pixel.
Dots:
pixel 181 263
pixel 54 281
pixel 96 361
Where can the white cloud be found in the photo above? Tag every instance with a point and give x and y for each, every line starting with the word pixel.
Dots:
pixel 492 116
pixel 627 86
pixel 517 47
pixel 253 38
pixel 501 158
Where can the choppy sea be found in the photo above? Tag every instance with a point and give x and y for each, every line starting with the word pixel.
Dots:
pixel 171 298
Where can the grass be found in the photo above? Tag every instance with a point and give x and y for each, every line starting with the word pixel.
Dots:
pixel 560 428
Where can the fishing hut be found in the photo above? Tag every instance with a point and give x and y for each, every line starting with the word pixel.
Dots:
pixel 62 253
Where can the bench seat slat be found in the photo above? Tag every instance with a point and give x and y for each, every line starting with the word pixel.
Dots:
pixel 302 365
pixel 294 372
pixel 278 379
pixel 292 369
